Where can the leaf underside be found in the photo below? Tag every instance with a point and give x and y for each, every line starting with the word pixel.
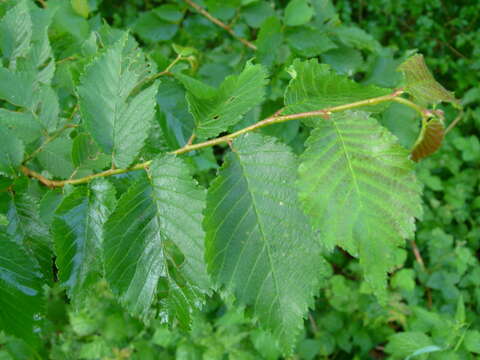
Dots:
pixel 430 140
pixel 259 243
pixel 359 187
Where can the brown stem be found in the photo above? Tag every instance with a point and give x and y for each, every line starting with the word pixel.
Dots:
pixel 220 23
pixel 418 256
pixel 324 113
pixel 42 3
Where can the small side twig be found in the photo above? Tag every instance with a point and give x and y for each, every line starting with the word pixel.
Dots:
pixel 418 256
pixel 221 24
pixel 454 122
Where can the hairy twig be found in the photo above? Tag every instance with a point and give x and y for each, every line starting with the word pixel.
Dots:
pixel 274 119
pixel 220 23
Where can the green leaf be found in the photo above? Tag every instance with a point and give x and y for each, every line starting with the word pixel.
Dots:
pixel 406 343
pixel 81 7
pixel 259 243
pixel 298 12
pixel 86 154
pixel 21 300
pixel 314 87
pixel 359 187
pixel 269 39
pixel 16 33
pixel 152 28
pixel 357 38
pixel 55 157
pixel 155 224
pixel 26 228
pixel 78 234
pixel 430 139
pixel 215 110
pixel 118 120
pixel 420 83
pixel 472 341
pixel 309 42
pixel 11 150
pixel 23 125
pixel 17 88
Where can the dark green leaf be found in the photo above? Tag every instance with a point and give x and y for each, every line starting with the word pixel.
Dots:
pixel 11 152
pixel 259 243
pixel 56 159
pixel 78 232
pixel 149 229
pixel 21 300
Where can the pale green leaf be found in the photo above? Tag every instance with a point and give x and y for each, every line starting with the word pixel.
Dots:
pixel 259 243
pixel 404 344
pixel 355 37
pixel 16 33
pixel 421 84
pixel 78 234
pixel 472 341
pixel 359 187
pixel 11 152
pixel 315 86
pixel 81 7
pixel 21 300
pixel 155 223
pixel 216 110
pixel 118 120
pixel 298 12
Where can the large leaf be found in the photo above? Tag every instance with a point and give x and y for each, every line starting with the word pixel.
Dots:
pixel 25 227
pixel 421 84
pixel 259 243
pixel 118 120
pixel 214 110
pixel 16 33
pixel 359 187
pixel 315 86
pixel 11 152
pixel 155 224
pixel 20 290
pixel 78 233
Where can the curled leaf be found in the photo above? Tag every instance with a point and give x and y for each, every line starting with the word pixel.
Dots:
pixel 430 139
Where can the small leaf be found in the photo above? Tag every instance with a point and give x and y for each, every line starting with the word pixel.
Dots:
pixel 314 87
pixel 81 7
pixel 149 230
pixel 11 152
pixel 309 42
pixel 17 88
pixel 430 139
pixel 78 232
pixel 21 300
pixel 24 125
pixel 118 121
pixel 269 40
pixel 259 243
pixel 215 110
pixel 359 187
pixel 420 83
pixel 404 344
pixel 298 12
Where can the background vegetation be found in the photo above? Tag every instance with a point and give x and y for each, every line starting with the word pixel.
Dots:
pixel 434 294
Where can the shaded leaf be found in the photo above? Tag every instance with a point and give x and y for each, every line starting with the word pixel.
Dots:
pixel 269 39
pixel 259 243
pixel 21 300
pixel 359 187
pixel 148 231
pixel 215 110
pixel 118 121
pixel 78 233
pixel 11 152
pixel 23 125
pixel 55 157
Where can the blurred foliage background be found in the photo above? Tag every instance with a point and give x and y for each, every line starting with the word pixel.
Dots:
pixel 434 298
